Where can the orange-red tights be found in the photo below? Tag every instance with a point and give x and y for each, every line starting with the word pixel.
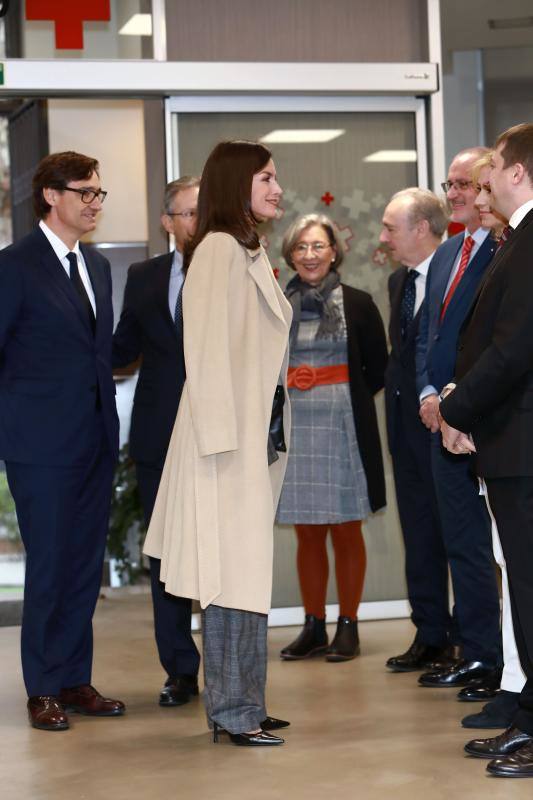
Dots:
pixel 313 568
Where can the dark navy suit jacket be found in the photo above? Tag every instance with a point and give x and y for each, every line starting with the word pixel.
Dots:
pixel 53 371
pixel 436 348
pixel 147 329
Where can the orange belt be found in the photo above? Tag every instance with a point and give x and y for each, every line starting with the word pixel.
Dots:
pixel 305 377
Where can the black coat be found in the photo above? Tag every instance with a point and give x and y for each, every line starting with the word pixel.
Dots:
pixel 401 395
pixel 494 395
pixel 367 358
pixel 146 329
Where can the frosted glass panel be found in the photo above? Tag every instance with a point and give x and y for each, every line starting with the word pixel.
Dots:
pixel 351 177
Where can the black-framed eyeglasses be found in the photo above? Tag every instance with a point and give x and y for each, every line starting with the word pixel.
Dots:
pixel 87 195
pixel 459 186
pixel 191 214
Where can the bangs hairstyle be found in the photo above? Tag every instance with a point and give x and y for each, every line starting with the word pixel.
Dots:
pixel 55 172
pixel 295 230
pixel 517 147
pixel 224 200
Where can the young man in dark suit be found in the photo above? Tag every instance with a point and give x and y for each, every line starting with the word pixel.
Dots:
pixel 456 270
pixel 492 404
pixel 150 327
pixel 59 432
pixel 413 225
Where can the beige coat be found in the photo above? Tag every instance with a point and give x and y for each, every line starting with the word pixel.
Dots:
pixel 212 525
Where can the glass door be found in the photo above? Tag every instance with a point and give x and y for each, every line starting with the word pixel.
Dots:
pixel 345 157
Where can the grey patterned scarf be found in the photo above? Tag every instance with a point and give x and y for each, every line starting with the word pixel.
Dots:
pixel 304 297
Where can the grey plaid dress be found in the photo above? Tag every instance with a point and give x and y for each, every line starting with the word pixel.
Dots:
pixel 325 481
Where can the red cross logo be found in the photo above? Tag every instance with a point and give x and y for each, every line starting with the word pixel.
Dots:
pixel 327 198
pixel 69 18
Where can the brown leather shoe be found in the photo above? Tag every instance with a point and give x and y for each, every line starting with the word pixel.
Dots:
pixel 86 700
pixel 47 714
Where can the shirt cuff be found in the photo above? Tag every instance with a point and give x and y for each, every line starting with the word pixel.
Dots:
pixel 426 391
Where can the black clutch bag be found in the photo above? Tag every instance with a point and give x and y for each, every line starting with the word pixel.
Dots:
pixel 276 435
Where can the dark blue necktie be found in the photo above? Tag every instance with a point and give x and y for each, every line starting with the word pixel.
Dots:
pixel 407 310
pixel 75 277
pixel 178 313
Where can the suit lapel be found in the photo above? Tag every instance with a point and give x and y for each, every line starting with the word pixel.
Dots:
pixel 397 289
pixel 61 282
pixel 473 272
pixel 261 272
pixel 96 278
pixel 162 270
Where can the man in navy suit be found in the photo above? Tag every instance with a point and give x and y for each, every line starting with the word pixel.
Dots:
pixel 454 275
pixel 59 432
pixel 413 225
pixel 150 326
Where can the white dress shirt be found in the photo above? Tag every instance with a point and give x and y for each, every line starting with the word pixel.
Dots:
pixel 420 281
pixel 518 215
pixel 61 250
pixel 176 281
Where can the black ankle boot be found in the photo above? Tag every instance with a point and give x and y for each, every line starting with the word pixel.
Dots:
pixel 313 639
pixel 345 645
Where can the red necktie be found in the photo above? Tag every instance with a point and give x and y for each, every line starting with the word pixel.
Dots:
pixel 465 255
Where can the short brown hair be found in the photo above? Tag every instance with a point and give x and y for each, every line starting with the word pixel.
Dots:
pixel 518 147
pixel 295 230
pixel 55 172
pixel 224 200
pixel 175 187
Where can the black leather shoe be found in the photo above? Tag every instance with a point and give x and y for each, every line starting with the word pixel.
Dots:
pixel 482 689
pixel 312 640
pixel 499 713
pixel 178 691
pixel 273 724
pixel 448 658
pixel 419 656
pixel 260 739
pixel 461 674
pixel 518 765
pixel 345 644
pixel 503 745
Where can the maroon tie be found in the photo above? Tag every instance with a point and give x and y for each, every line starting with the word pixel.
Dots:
pixel 465 256
pixel 507 231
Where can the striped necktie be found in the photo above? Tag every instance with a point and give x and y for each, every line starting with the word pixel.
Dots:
pixel 465 257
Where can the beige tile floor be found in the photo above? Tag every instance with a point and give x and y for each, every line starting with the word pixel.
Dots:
pixel 358 732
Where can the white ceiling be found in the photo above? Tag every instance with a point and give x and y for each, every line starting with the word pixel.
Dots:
pixel 465 24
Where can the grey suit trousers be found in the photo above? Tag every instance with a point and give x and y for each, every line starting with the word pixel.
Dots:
pixel 234 659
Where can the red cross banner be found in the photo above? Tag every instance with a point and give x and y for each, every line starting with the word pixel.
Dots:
pixel 68 16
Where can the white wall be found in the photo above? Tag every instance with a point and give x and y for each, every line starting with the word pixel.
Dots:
pixel 463 103
pixel 111 131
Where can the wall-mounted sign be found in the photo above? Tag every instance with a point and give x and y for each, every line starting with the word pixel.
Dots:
pixel 68 18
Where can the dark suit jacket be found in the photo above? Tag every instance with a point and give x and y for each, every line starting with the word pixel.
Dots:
pixel 367 358
pixel 436 347
pixel 147 329
pixel 52 368
pixel 400 375
pixel 494 395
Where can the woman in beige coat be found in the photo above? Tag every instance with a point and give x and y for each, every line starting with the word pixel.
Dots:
pixel 212 525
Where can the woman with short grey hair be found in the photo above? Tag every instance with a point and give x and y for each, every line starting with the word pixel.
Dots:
pixel 334 475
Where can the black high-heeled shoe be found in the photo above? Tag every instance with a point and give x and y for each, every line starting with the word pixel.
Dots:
pixel 260 739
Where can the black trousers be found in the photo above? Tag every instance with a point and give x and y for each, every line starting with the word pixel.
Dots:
pixel 426 563
pixel 466 532
pixel 511 501
pixel 172 615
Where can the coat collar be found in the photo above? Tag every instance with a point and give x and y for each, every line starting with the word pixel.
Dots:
pixel 261 271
